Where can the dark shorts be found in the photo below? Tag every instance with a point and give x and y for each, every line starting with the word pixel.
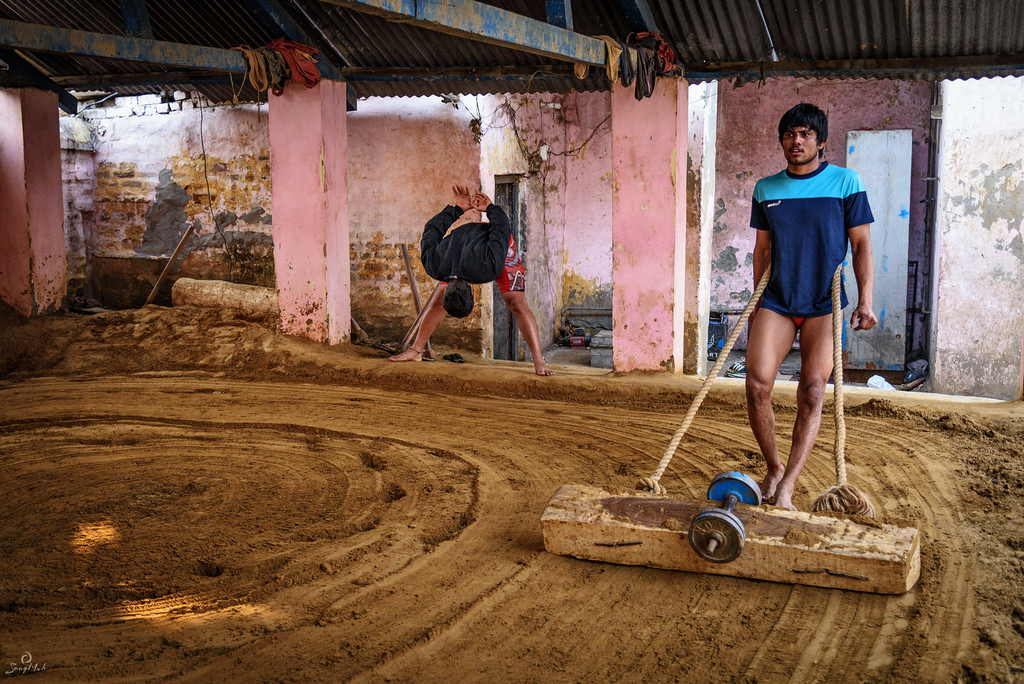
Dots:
pixel 513 278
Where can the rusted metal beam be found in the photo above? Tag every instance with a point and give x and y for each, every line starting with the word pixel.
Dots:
pixel 22 68
pixel 22 36
pixel 559 13
pixel 136 18
pixel 638 15
pixel 487 24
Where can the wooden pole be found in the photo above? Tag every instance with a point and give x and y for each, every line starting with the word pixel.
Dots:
pixel 167 268
pixel 416 301
pixel 411 335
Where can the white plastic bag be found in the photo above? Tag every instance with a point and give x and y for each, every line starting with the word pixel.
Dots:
pixel 878 382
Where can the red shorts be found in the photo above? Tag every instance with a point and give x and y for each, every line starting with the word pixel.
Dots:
pixel 798 320
pixel 513 278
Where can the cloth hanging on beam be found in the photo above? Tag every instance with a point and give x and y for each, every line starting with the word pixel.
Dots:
pixel 627 66
pixel 267 68
pixel 666 63
pixel 646 71
pixel 613 50
pixel 301 61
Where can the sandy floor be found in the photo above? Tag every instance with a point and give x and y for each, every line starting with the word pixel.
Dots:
pixel 185 494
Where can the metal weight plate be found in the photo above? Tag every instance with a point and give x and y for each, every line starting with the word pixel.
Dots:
pixel 733 482
pixel 717 535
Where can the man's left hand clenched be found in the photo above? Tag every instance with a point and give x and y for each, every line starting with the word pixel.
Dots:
pixel 863 318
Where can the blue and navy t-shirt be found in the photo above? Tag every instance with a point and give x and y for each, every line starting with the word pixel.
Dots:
pixel 808 218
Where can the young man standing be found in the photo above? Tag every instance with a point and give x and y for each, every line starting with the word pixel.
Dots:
pixel 804 216
pixel 458 254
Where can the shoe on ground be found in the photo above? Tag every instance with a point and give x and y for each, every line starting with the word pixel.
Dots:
pixel 737 370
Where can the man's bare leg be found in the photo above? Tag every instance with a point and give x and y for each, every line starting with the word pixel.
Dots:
pixel 434 315
pixel 516 303
pixel 815 367
pixel 771 337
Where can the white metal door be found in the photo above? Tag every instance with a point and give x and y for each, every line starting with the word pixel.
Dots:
pixel 882 158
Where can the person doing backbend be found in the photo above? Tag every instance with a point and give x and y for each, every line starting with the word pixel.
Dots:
pixel 458 254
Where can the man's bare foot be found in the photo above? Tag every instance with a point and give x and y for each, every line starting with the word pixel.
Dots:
pixel 409 354
pixel 772 479
pixel 784 498
pixel 541 368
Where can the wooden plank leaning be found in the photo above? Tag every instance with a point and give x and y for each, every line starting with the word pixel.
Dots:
pixel 420 311
pixel 170 262
pixel 639 528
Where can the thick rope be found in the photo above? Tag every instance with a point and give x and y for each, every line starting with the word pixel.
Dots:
pixel 837 371
pixel 651 483
pixel 265 68
pixel 842 496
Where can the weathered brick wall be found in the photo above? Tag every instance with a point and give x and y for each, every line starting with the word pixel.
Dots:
pixel 164 164
pixel 404 156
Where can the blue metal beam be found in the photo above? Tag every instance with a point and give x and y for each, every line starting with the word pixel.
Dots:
pixel 22 69
pixel 488 24
pixel 560 13
pixel 638 15
pixel 281 24
pixel 15 34
pixel 136 18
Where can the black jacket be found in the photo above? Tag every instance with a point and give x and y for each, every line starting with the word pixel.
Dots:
pixel 474 252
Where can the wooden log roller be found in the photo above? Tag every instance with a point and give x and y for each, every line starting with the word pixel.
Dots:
pixel 642 528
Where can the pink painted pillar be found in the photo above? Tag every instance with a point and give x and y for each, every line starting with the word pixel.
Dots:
pixel 309 161
pixel 33 255
pixel 649 227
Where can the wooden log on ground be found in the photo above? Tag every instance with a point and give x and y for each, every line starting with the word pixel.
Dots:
pixel 249 300
pixel 638 528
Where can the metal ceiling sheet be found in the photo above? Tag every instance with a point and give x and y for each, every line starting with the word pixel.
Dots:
pixel 720 39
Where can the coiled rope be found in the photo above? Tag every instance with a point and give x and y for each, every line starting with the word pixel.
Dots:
pixel 264 68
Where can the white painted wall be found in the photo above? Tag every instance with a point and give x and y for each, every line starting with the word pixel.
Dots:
pixel 978 297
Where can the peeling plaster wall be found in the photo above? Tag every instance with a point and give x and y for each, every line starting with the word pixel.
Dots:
pixel 520 134
pixel 78 161
pixel 748 149
pixel 152 182
pixel 978 314
pixel 404 156
pixel 700 197
pixel 588 203
pixel 561 146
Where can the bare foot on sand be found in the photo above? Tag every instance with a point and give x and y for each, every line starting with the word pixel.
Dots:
pixel 409 354
pixel 784 497
pixel 541 368
pixel 771 480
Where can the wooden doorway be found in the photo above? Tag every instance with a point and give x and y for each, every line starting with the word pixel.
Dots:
pixel 507 339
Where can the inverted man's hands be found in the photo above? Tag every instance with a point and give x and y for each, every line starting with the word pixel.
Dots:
pixel 863 318
pixel 463 197
pixel 481 201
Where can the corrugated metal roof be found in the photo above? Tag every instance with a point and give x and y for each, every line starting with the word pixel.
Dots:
pixel 722 39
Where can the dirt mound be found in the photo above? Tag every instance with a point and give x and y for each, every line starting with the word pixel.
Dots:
pixel 878 408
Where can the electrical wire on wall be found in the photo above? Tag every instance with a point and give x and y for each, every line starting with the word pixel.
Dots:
pixel 209 195
pixel 535 153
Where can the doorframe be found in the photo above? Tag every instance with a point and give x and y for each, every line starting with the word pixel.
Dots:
pixel 507 341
